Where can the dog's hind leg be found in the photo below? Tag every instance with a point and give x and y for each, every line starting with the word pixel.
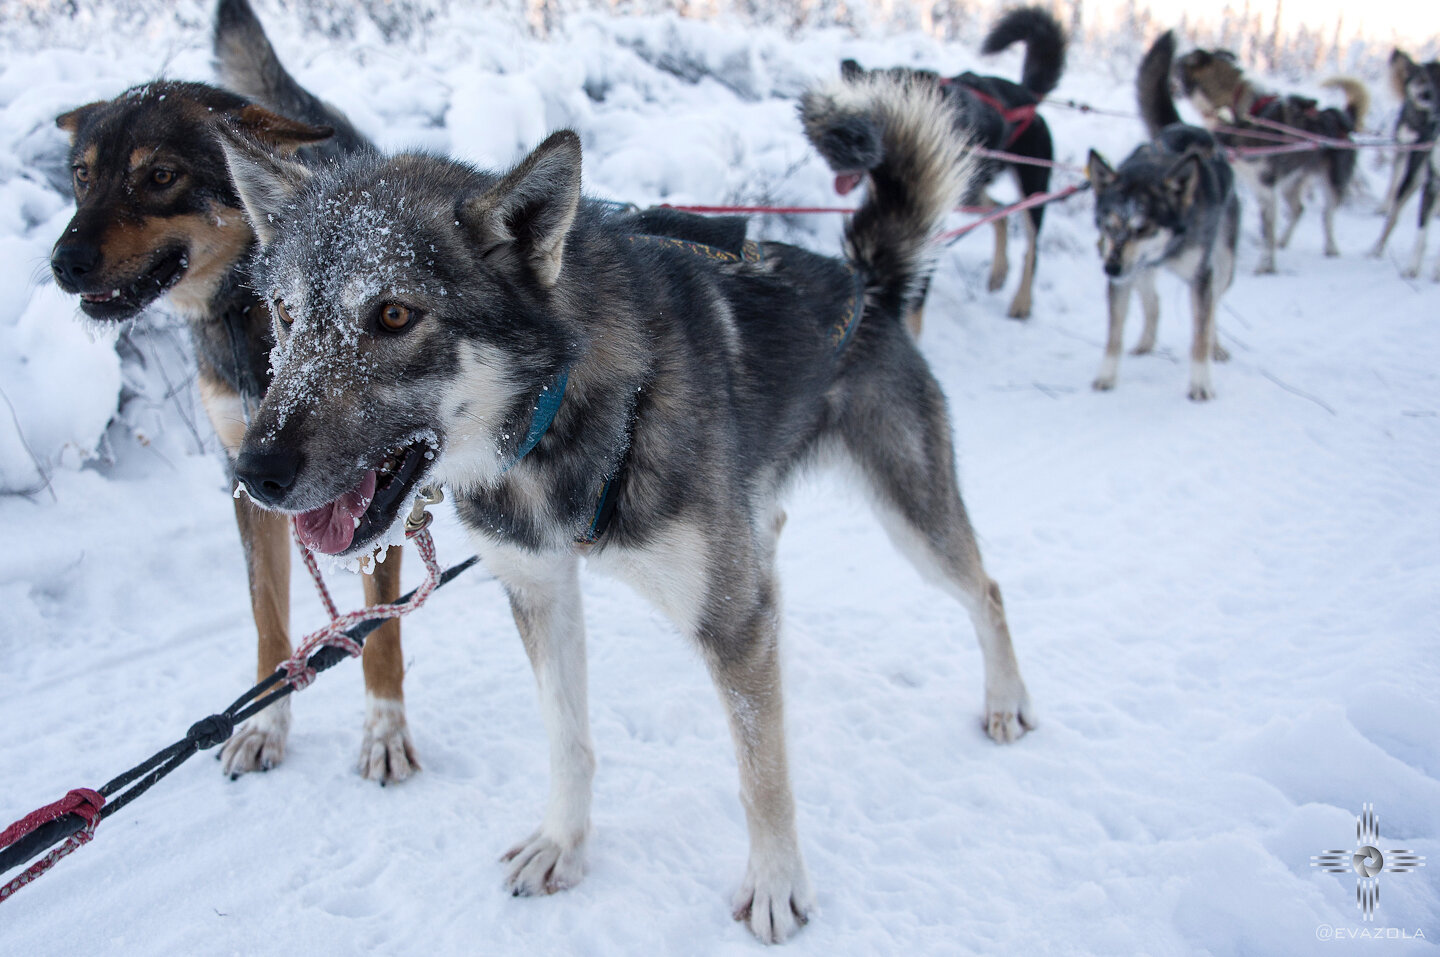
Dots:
pixel 1150 304
pixel 1409 182
pixel 1202 346
pixel 1266 197
pixel 1000 263
pixel 1294 193
pixel 1020 305
pixel 1031 181
pixel 258 744
pixel 386 752
pixel 1428 198
pixel 903 451
pixel 544 592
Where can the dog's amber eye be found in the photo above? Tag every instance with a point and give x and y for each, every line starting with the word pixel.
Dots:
pixel 162 177
pixel 82 175
pixel 394 317
pixel 282 312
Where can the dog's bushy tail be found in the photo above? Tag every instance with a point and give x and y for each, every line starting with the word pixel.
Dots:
pixel 1357 98
pixel 901 131
pixel 247 65
pixel 1152 85
pixel 1044 41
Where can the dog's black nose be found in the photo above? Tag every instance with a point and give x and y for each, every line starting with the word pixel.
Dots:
pixel 72 262
pixel 267 476
pixel 1113 268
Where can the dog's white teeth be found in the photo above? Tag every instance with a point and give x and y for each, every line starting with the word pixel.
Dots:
pixel 114 294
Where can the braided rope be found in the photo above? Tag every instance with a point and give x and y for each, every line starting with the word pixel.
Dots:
pixel 81 801
pixel 296 668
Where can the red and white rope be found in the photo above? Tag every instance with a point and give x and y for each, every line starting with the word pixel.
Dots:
pixel 298 672
pixel 82 801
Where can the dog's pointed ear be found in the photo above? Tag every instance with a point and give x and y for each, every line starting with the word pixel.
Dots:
pixel 280 133
pixel 1100 173
pixel 850 70
pixel 266 183
pixel 1183 178
pixel 72 121
pixel 532 208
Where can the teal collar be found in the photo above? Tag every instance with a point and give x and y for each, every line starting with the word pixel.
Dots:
pixel 547 404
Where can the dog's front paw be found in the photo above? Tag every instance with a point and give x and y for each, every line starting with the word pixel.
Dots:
pixel 1266 268
pixel 775 903
pixel 259 743
pixel 387 754
pixel 1008 713
pixel 1411 272
pixel 1376 252
pixel 1103 383
pixel 1201 392
pixel 541 864
pixel 1219 353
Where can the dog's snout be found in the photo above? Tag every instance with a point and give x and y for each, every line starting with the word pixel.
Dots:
pixel 72 262
pixel 1113 267
pixel 267 476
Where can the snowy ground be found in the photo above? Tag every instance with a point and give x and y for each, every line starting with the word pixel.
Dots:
pixel 1226 613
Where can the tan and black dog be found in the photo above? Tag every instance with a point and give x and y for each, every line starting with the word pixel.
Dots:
pixel 156 215
pixel 1244 117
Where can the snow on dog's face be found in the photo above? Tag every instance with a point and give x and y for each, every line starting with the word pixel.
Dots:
pixel 409 296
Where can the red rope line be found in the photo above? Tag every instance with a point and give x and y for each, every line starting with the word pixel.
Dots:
pixel 1038 199
pixel 82 801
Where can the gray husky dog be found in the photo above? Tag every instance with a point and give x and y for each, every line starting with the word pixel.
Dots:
pixel 1418 86
pixel 587 388
pixel 1171 203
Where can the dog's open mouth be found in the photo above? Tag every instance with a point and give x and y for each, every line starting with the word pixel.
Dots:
pixel 846 182
pixel 123 302
pixel 365 512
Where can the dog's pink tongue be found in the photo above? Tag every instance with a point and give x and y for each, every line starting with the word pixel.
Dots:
pixel 330 528
pixel 845 182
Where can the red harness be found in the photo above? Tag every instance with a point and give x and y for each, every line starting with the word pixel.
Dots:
pixel 1018 119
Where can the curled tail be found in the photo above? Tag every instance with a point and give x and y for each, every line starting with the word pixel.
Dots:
pixel 247 64
pixel 1044 41
pixel 1152 85
pixel 1357 98
pixel 900 132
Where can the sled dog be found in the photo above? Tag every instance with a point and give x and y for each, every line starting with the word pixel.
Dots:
pixel 1418 86
pixel 156 216
pixel 1242 117
pixel 1172 203
pixel 999 115
pixel 586 388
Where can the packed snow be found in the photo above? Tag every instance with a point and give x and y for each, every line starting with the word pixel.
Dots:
pixel 1225 612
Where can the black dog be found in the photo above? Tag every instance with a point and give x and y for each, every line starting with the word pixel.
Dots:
pixel 1000 116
